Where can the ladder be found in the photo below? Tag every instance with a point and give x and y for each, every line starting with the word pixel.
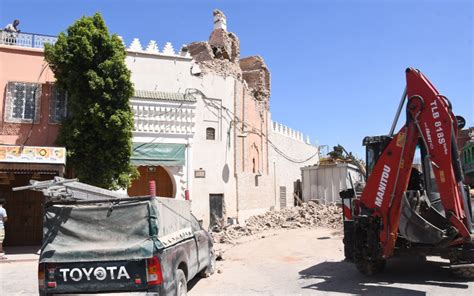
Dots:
pixel 61 189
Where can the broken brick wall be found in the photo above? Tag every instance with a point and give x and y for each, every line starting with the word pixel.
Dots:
pixel 257 76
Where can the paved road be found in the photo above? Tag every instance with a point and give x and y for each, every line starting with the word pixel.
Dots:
pixel 290 262
pixel 309 262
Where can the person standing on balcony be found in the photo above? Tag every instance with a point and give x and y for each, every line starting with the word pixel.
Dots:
pixel 11 32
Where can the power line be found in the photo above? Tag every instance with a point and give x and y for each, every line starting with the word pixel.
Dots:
pixel 232 114
pixel 235 119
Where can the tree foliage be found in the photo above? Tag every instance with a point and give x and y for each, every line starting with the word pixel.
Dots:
pixel 89 64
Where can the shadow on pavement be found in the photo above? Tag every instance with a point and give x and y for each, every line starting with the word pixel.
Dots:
pixel 343 277
pixel 193 282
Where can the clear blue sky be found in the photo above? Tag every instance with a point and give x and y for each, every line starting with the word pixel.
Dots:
pixel 337 66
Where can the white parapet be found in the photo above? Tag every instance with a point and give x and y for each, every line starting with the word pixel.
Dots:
pixel 168 49
pixel 289 132
pixel 152 47
pixel 135 45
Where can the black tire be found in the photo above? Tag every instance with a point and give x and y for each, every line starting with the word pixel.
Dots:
pixel 211 268
pixel 462 272
pixel 370 267
pixel 348 241
pixel 181 284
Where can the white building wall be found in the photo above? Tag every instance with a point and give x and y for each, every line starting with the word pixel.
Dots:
pixel 216 157
pixel 173 73
pixel 323 183
pixel 294 148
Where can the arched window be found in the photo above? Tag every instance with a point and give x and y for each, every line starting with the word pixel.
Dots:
pixel 210 133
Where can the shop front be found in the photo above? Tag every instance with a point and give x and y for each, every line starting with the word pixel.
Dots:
pixel 19 165
pixel 159 162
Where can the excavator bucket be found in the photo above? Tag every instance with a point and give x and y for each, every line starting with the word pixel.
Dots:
pixel 416 228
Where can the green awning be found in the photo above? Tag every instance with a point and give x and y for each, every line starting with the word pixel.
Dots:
pixel 154 154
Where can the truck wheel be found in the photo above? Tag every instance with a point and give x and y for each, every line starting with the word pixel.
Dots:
pixel 211 268
pixel 348 240
pixel 370 267
pixel 181 285
pixel 462 272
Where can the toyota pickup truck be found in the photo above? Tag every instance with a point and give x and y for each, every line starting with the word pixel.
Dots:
pixel 132 244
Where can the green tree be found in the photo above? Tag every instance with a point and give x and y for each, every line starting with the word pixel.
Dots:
pixel 89 64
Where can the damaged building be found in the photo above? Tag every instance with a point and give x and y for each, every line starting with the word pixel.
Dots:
pixel 233 167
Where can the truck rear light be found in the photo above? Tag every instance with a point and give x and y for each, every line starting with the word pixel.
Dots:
pixel 41 275
pixel 153 273
pixel 51 284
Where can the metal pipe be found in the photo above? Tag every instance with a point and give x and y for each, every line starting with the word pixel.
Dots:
pixel 115 201
pixel 400 106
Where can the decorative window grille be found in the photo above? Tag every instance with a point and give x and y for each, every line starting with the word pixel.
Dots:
pixel 57 105
pixel 23 102
pixel 210 133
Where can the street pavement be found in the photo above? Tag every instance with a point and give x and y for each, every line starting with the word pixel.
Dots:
pixel 310 262
pixel 286 262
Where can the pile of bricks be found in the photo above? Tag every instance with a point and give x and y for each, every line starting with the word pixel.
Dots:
pixel 310 214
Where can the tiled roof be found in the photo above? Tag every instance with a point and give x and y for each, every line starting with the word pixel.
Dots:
pixel 165 96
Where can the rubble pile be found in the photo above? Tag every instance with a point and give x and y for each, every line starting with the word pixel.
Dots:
pixel 310 214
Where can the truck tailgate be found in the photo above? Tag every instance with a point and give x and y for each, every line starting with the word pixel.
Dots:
pixel 96 276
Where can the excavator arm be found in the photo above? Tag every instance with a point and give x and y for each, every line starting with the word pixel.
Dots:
pixel 429 121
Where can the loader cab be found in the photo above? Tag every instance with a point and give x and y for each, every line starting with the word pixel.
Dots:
pixel 374 148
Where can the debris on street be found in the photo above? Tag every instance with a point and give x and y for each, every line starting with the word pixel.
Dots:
pixel 310 214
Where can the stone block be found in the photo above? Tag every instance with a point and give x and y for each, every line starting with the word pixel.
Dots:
pixel 257 76
pixel 200 51
pixel 224 45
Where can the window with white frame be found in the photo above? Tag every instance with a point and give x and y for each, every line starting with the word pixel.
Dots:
pixel 22 103
pixel 57 105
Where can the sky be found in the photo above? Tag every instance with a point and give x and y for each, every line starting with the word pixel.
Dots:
pixel 337 67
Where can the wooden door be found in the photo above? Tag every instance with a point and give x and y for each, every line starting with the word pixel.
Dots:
pixel 216 210
pixel 25 213
pixel 140 186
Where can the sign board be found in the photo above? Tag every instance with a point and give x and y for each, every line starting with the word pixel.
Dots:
pixel 199 174
pixel 33 154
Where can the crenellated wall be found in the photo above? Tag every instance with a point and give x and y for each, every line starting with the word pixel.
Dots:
pixel 290 151
pixel 289 132
pixel 153 48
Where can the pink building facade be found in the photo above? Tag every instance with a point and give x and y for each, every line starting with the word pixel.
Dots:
pixel 30 112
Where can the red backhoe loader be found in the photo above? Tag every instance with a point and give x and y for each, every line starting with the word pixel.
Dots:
pixel 405 210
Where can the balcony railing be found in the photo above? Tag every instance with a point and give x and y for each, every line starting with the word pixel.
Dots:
pixel 26 39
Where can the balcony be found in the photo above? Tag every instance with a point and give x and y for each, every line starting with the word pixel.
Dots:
pixel 26 39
